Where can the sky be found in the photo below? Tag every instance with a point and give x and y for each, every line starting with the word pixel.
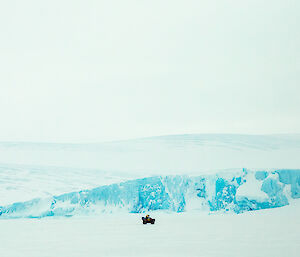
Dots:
pixel 92 71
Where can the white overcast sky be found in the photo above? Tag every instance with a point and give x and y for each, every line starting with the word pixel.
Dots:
pixel 86 71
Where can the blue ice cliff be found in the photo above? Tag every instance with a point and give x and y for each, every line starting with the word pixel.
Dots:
pixel 238 192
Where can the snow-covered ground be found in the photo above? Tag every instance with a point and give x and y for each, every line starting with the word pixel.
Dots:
pixel 266 233
pixel 210 169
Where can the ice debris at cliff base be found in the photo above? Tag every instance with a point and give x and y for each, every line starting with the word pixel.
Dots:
pixel 240 191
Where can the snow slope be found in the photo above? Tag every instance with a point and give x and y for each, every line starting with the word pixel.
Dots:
pixel 238 191
pixel 165 155
pixel 25 182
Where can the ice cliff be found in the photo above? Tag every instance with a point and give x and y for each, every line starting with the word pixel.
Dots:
pixel 237 191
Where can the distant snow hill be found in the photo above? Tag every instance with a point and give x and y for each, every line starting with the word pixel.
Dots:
pixel 41 170
pixel 164 154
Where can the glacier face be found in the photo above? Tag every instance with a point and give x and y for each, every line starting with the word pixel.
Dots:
pixel 238 191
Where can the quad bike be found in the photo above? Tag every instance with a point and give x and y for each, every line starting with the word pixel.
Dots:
pixel 148 220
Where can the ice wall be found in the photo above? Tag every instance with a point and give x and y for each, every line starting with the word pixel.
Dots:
pixel 238 191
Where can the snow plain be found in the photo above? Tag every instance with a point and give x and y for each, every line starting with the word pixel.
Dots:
pixel 265 233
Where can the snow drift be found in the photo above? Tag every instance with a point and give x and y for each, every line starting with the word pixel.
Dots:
pixel 238 191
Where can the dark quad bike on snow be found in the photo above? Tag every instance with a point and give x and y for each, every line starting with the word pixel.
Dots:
pixel 147 219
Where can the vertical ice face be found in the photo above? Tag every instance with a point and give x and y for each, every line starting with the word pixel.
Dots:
pixel 292 177
pixel 237 191
pixel 261 175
